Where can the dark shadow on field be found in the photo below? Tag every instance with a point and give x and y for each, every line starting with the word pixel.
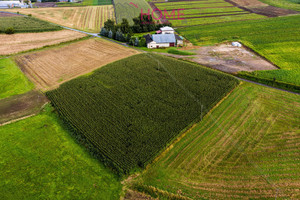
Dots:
pixel 22 105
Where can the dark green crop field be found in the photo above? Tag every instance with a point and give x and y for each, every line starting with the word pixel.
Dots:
pixel 131 109
pixel 26 25
pixel 277 39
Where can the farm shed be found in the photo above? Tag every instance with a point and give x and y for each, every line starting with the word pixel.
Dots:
pixel 161 40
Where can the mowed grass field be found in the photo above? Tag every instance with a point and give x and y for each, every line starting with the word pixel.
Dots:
pixel 26 24
pixel 40 160
pixel 203 12
pixel 15 43
pixel 276 39
pixel 132 108
pixel 51 67
pixel 288 4
pixel 246 148
pixel 12 80
pixel 88 18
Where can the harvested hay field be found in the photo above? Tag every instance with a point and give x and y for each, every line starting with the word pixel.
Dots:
pixel 49 68
pixel 90 18
pixel 11 44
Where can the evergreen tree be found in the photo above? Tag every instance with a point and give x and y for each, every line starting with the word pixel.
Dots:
pixel 142 42
pixel 110 34
pixel 109 24
pixel 136 42
pixel 103 32
pixel 125 26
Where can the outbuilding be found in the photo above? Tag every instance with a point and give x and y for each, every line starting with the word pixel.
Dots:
pixel 161 41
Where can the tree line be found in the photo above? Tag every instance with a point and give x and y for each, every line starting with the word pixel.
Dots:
pixel 123 32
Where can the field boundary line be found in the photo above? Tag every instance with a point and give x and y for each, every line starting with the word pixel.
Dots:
pixel 192 126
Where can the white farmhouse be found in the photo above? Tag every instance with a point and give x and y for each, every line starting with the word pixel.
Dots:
pixel 12 4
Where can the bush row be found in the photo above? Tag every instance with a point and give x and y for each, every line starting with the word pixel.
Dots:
pixel 270 82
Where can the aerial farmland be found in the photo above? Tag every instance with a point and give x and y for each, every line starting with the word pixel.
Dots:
pixel 150 99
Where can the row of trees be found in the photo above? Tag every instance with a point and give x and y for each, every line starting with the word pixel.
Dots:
pixel 120 36
pixel 124 32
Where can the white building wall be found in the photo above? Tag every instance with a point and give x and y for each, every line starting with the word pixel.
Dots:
pixel 153 45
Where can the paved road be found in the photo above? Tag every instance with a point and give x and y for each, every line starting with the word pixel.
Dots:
pixel 92 34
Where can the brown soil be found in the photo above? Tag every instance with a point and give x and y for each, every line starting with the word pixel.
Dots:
pixel 227 58
pixel 21 105
pixel 272 11
pixel 45 5
pixel 11 44
pixel 258 7
pixel 49 68
pixel 6 14
pixel 249 3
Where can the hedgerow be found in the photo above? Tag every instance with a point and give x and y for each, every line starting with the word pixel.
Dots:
pixel 133 108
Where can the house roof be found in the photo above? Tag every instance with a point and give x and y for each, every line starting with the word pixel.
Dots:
pixel 164 38
pixel 166 28
pixel 148 38
pixel 178 37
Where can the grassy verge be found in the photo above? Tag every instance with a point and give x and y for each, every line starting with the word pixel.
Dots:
pixel 179 52
pixel 12 80
pixel 44 162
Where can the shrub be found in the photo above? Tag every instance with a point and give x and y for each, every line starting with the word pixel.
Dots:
pixel 9 30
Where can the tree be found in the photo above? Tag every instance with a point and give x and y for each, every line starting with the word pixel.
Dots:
pixel 136 42
pixel 104 32
pixel 142 42
pixel 109 24
pixel 122 37
pixel 110 34
pixel 128 37
pixel 125 26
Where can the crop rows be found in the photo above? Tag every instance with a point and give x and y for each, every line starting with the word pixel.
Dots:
pixel 133 108
pixel 203 12
pixel 26 24
pixel 242 149
pixel 88 18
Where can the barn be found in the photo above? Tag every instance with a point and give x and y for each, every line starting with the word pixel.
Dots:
pixel 162 41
